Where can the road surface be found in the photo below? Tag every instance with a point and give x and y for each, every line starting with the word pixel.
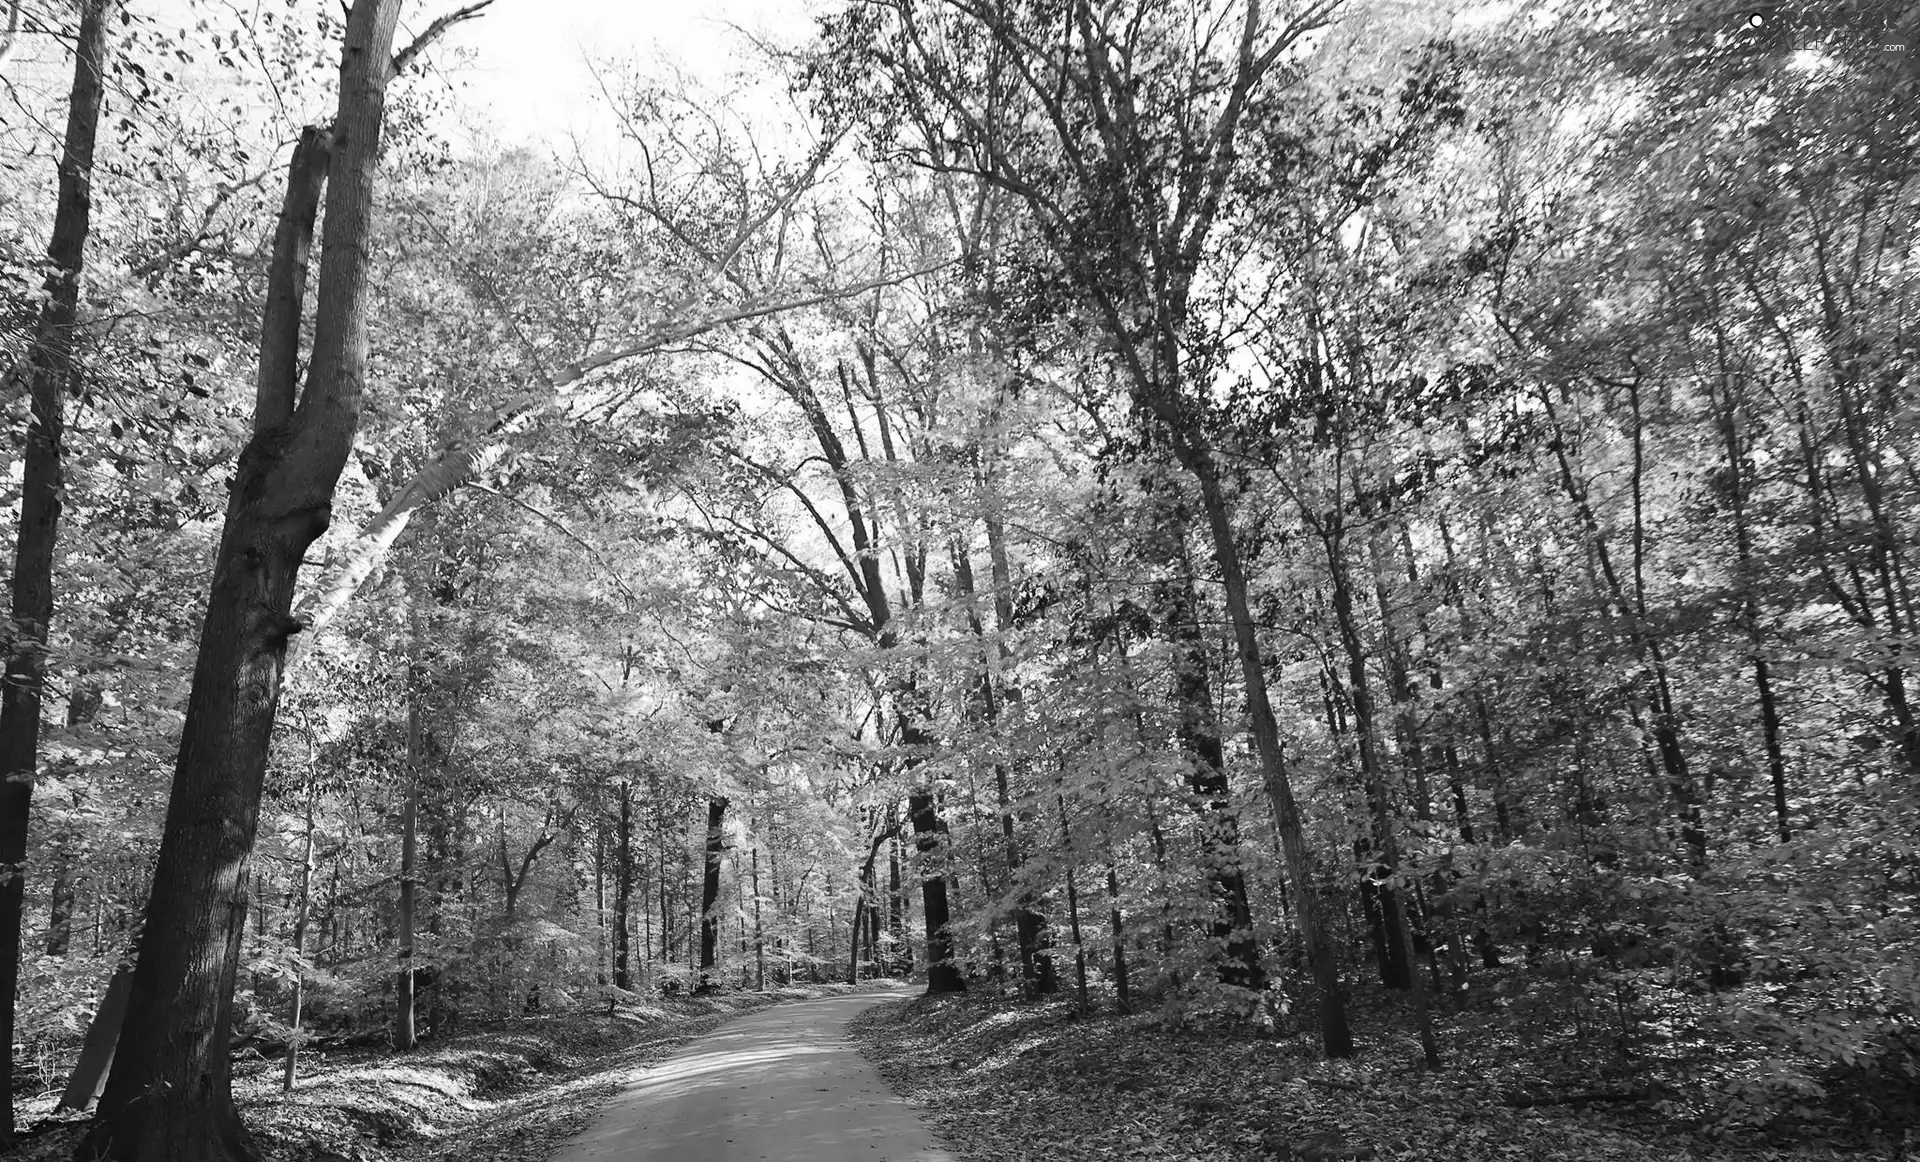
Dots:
pixel 780 1085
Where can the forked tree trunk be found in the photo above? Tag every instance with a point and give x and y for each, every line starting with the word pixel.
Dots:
pixel 50 366
pixel 169 1098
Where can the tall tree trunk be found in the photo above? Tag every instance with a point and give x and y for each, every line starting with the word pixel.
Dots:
pixel 302 907
pixel 1036 971
pixel 1336 1036
pixel 51 368
pixel 859 927
pixel 83 702
pixel 1117 925
pixel 1654 681
pixel 1727 404
pixel 759 932
pixel 170 1097
pixel 623 894
pixel 1073 906
pixel 943 975
pixel 710 892
pixel 403 1029
pixel 1396 962
pixel 1387 845
pixel 899 964
pixel 1238 955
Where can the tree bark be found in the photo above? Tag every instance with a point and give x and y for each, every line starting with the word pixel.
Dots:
pixel 51 366
pixel 169 1098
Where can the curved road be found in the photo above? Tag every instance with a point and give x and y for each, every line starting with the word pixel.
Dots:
pixel 780 1085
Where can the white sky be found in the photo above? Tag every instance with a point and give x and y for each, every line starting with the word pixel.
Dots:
pixel 529 56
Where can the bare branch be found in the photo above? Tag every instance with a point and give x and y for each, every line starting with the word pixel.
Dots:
pixel 404 59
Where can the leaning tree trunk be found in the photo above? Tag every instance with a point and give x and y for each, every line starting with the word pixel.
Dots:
pixel 1336 1035
pixel 50 367
pixel 169 1098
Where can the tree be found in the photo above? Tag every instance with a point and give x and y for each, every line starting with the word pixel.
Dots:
pixel 176 1039
pixel 1119 142
pixel 51 373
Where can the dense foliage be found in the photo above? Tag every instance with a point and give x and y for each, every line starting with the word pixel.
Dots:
pixel 1220 511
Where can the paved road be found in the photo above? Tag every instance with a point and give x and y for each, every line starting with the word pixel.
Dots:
pixel 780 1085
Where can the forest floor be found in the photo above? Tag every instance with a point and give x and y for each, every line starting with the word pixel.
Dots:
pixel 509 1091
pixel 1006 1082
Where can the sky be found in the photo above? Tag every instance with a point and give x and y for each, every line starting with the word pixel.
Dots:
pixel 528 57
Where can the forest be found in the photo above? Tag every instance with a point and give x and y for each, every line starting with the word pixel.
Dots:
pixel 1372 530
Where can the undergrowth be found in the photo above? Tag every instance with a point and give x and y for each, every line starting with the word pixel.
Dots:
pixel 1011 1082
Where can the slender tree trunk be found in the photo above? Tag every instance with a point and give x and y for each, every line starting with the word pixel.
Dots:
pixel 1073 906
pixel 96 1052
pixel 1392 896
pixel 179 1020
pixel 1396 962
pixel 1117 926
pixel 1633 611
pixel 710 892
pixel 943 975
pixel 301 908
pixel 1236 952
pixel 1036 972
pixel 859 926
pixel 51 367
pixel 759 933
pixel 1336 1035
pixel 403 1029
pixel 623 894
pixel 1727 406
pixel 60 902
pixel 898 963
